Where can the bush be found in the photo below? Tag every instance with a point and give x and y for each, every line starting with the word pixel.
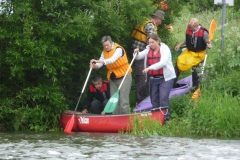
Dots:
pixel 229 84
pixel 214 115
pixel 179 104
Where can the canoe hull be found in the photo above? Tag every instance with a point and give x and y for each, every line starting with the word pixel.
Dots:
pixel 107 123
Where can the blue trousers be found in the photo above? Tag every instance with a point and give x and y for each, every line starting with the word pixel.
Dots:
pixel 159 93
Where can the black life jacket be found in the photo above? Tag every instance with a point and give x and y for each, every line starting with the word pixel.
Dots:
pixel 195 41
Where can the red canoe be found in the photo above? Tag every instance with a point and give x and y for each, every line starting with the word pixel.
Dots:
pixel 107 123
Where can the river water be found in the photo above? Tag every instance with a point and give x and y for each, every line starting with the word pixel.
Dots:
pixel 94 146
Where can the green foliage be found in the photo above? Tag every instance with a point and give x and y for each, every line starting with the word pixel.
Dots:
pixel 178 105
pixel 144 126
pixel 215 116
pixel 196 6
pixel 32 109
pixel 230 84
pixel 45 48
pixel 171 15
pixel 224 60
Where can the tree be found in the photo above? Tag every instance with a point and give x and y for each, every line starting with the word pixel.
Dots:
pixel 45 48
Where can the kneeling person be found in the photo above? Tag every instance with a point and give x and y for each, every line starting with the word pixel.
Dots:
pixel 98 95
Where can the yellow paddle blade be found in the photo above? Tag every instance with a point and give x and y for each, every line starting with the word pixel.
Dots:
pixel 212 29
pixel 196 94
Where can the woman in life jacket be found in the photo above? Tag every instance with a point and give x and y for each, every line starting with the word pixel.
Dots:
pixel 196 42
pixel 158 66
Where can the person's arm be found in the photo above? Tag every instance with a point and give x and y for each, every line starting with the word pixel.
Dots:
pixel 96 64
pixel 117 54
pixel 149 29
pixel 142 54
pixel 108 91
pixel 179 45
pixel 99 63
pixel 88 101
pixel 205 39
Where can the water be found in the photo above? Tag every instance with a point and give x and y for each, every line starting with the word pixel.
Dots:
pixel 94 146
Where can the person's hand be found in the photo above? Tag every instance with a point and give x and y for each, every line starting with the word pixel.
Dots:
pixel 177 47
pixel 84 111
pixel 145 70
pixel 136 50
pixel 209 45
pixel 102 113
pixel 92 64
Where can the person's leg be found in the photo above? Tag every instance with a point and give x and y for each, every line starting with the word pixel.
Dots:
pixel 177 72
pixel 124 105
pixel 154 92
pixel 96 106
pixel 195 77
pixel 140 80
pixel 105 102
pixel 141 88
pixel 114 84
pixel 130 53
pixel 164 91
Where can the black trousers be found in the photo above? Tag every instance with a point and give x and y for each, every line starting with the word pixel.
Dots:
pixel 141 84
pixel 97 106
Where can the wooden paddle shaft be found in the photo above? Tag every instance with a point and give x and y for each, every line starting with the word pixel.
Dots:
pixel 127 71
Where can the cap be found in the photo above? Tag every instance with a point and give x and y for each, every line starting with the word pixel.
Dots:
pixel 160 14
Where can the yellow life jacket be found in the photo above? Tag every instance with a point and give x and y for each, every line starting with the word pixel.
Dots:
pixel 120 66
pixel 139 33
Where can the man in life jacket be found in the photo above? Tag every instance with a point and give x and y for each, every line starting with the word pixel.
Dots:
pixel 140 36
pixel 114 57
pixel 196 42
pixel 98 95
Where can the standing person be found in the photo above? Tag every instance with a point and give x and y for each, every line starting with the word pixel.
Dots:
pixel 158 64
pixel 140 35
pixel 98 95
pixel 196 41
pixel 114 57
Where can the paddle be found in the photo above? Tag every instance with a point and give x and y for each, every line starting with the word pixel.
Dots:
pixel 112 102
pixel 211 34
pixel 70 123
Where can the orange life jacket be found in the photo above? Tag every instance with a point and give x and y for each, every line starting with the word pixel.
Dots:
pixel 120 66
